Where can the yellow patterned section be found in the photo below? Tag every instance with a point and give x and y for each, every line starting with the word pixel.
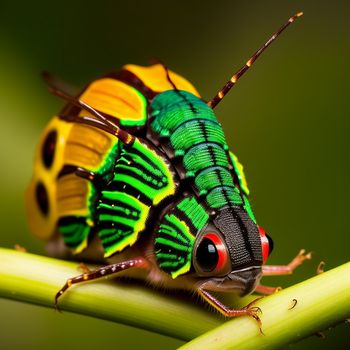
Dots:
pixel 72 195
pixel 87 146
pixel 77 145
pixel 155 78
pixel 117 99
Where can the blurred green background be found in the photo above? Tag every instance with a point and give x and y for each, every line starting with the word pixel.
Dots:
pixel 287 119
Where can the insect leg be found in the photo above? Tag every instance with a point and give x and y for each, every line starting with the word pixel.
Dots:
pixel 248 310
pixel 99 180
pixel 102 272
pixel 85 174
pixel 274 270
pixel 53 80
pixel 88 121
pixel 266 290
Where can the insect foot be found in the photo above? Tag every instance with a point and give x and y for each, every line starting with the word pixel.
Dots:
pixel 302 256
pixel 248 310
pixel 254 312
pixel 299 259
pixel 320 267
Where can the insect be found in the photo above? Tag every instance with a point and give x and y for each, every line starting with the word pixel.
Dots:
pixel 135 171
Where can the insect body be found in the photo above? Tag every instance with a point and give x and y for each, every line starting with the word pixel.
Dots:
pixel 136 172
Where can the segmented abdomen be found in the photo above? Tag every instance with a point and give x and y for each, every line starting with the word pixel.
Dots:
pixel 193 133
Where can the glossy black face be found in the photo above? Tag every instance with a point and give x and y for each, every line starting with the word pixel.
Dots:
pixel 242 237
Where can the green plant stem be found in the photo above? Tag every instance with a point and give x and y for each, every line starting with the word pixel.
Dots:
pixel 36 279
pixel 322 301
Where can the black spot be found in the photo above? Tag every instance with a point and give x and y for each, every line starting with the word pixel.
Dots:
pixel 207 255
pixel 42 198
pixel 48 150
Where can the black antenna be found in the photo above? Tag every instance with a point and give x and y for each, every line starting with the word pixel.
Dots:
pixel 227 87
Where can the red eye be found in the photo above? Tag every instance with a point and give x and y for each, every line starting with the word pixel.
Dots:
pixel 266 244
pixel 212 255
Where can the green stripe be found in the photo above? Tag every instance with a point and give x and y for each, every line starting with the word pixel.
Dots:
pixel 80 232
pixel 168 250
pixel 124 210
pixel 117 219
pixel 171 244
pixel 139 185
pixel 167 256
pixel 222 196
pixel 122 197
pixel 173 234
pixel 213 177
pixel 172 263
pixel 204 155
pixel 138 171
pixel 118 234
pixel 120 243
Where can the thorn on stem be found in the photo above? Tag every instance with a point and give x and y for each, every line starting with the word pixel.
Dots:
pixel 320 335
pixel 320 267
pixel 294 303
pixel 20 248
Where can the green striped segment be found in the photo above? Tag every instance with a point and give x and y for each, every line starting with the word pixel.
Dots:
pixel 170 109
pixel 121 218
pixel 173 245
pixel 203 155
pixel 75 232
pixel 222 196
pixel 143 169
pixel 141 180
pixel 105 170
pixel 194 212
pixel 176 235
pixel 195 134
pixel 213 176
